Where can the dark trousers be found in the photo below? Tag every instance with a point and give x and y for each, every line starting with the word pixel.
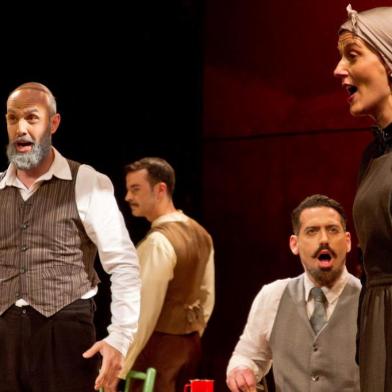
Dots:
pixel 44 354
pixel 175 357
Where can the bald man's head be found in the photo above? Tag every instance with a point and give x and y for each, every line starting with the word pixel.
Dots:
pixel 52 106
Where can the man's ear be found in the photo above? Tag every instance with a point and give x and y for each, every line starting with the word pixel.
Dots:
pixel 348 241
pixel 294 244
pixel 161 189
pixel 54 122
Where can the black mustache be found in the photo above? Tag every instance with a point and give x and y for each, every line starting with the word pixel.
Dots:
pixel 324 247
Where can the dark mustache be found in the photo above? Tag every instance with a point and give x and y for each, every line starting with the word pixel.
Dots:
pixel 324 247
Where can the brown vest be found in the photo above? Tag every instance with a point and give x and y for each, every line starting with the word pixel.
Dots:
pixel 46 256
pixel 182 312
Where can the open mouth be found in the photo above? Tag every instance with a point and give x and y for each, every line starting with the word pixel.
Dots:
pixel 23 146
pixel 325 260
pixel 324 257
pixel 351 89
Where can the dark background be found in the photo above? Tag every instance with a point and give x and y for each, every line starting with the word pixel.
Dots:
pixel 237 95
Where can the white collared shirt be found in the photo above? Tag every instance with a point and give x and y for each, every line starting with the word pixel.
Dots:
pixel 105 226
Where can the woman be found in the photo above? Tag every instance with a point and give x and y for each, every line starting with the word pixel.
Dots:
pixel 365 69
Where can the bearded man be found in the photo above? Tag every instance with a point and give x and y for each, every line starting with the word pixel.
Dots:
pixel 305 327
pixel 56 214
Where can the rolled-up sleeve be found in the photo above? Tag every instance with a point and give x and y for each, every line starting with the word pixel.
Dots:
pixel 253 350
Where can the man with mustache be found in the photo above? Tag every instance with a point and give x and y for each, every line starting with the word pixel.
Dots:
pixel 56 214
pixel 305 327
pixel 177 273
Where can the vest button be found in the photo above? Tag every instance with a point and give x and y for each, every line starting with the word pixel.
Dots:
pixel 23 248
pixel 24 226
pixel 23 270
pixel 315 378
pixel 315 348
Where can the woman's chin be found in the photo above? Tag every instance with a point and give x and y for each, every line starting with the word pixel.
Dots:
pixel 357 111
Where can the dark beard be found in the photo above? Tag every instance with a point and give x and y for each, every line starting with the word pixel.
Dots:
pixel 325 277
pixel 33 158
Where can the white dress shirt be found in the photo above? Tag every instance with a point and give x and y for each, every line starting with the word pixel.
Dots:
pixel 253 350
pixel 105 226
pixel 157 262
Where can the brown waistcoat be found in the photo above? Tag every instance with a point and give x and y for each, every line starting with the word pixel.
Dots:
pixel 46 256
pixel 182 312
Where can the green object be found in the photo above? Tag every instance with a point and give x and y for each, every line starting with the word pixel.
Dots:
pixel 148 377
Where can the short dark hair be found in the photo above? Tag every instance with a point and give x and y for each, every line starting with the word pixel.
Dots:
pixel 316 201
pixel 158 170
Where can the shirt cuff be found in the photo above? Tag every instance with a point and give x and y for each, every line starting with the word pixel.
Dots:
pixel 239 361
pixel 119 342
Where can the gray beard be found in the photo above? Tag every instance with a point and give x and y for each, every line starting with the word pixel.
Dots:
pixel 33 158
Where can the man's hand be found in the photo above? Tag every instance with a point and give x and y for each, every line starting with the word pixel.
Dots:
pixel 112 361
pixel 241 380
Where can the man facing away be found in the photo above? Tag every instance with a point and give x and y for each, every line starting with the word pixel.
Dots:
pixel 307 334
pixel 177 272
pixel 56 214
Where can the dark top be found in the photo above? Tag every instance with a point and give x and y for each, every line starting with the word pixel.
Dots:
pixel 373 223
pixel 372 206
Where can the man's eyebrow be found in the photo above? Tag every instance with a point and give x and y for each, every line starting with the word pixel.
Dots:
pixel 31 110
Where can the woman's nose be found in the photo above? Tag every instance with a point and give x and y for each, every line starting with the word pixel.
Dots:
pixel 340 69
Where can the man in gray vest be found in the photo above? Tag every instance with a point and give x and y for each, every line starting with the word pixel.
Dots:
pixel 305 326
pixel 177 273
pixel 55 215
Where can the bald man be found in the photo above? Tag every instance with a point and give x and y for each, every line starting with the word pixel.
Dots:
pixel 56 215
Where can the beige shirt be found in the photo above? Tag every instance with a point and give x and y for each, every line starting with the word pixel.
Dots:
pixel 157 261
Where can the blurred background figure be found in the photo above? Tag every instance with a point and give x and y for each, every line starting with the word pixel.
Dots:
pixel 177 272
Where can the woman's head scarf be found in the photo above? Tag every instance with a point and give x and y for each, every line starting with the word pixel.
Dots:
pixel 374 26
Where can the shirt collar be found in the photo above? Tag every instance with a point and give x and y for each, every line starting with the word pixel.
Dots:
pixel 331 293
pixel 59 169
pixel 173 216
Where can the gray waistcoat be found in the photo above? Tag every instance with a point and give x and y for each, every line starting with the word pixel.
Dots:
pixel 304 362
pixel 46 256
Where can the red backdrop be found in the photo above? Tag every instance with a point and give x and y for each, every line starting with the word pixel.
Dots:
pixel 277 128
